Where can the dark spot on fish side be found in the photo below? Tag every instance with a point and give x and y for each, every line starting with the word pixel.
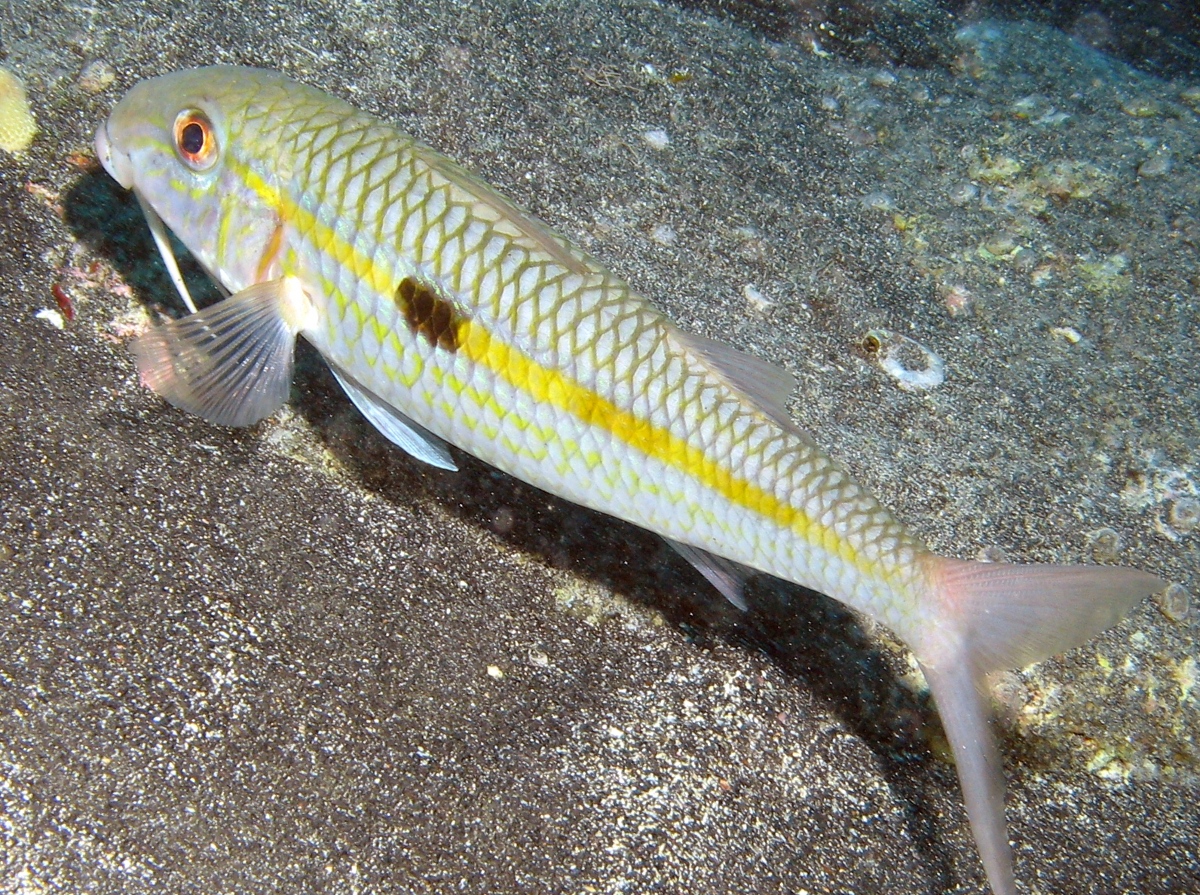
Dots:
pixel 430 314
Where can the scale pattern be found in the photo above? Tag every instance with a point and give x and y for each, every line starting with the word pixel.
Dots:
pixel 453 306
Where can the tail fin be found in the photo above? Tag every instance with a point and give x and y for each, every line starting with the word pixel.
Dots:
pixel 994 616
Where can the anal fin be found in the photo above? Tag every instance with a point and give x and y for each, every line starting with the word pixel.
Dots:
pixel 724 574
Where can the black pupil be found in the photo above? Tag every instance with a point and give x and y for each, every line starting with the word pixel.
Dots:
pixel 192 138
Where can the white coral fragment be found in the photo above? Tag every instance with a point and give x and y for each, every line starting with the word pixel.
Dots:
pixel 914 367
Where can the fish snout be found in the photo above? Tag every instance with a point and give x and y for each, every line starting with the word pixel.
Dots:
pixel 116 163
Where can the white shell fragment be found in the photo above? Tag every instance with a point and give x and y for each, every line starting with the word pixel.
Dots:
pixel 914 367
pixel 656 138
pixel 756 302
pixel 1068 334
pixel 53 317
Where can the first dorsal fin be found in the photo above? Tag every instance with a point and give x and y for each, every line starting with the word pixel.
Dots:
pixel 504 216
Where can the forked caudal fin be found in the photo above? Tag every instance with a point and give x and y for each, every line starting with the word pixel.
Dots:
pixel 999 616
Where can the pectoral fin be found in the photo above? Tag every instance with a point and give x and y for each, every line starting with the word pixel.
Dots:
pixel 395 426
pixel 230 363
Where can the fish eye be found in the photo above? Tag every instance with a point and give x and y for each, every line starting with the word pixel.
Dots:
pixel 195 139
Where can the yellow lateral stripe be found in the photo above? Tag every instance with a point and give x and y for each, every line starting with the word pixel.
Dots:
pixel 550 386
pixel 543 384
pixel 345 254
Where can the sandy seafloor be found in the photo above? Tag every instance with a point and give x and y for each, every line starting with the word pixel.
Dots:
pixel 290 659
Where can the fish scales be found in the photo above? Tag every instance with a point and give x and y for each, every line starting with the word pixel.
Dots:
pixel 448 314
pixel 638 427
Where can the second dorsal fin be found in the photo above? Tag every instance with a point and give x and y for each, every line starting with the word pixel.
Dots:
pixel 764 383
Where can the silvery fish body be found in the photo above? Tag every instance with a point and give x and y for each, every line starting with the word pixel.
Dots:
pixel 449 315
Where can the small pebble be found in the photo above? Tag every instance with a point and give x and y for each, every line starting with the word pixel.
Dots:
pixel 53 317
pixel 991 554
pixel 503 521
pixel 664 234
pixel 883 78
pixel 758 303
pixel 1053 118
pixel 96 77
pixel 994 169
pixel 656 138
pixel 1175 602
pixel 494 671
pixel 1024 259
pixel 1000 245
pixel 878 201
pixel 857 135
pixel 1032 106
pixel 1141 107
pixel 963 193
pixel 1042 274
pixel 1102 274
pixel 1156 166
pixel 1106 544
pixel 958 300
pixel 1071 336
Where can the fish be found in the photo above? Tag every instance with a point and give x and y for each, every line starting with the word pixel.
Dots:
pixel 450 316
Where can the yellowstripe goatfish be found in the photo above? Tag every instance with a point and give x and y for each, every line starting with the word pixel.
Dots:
pixel 449 315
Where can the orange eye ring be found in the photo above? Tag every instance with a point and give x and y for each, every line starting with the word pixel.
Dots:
pixel 195 139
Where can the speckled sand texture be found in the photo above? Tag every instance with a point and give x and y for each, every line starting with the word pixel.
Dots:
pixel 290 659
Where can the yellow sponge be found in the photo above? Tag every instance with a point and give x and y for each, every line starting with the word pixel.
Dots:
pixel 17 126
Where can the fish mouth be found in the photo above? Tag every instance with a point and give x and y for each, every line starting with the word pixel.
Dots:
pixel 120 168
pixel 116 164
